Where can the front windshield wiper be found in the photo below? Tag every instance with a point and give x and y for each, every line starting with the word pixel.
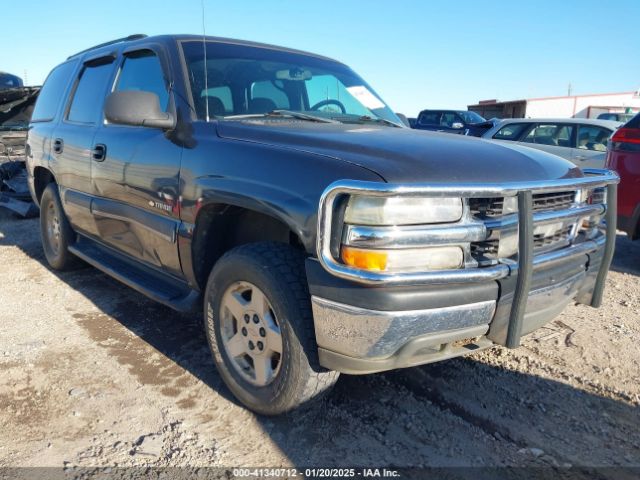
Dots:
pixel 367 118
pixel 282 113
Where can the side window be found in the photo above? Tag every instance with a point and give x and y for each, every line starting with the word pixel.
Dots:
pixel 267 93
pixel 592 137
pixel 90 92
pixel 142 71
pixel 563 135
pixel 52 91
pixel 551 134
pixel 430 118
pixel 449 118
pixel 512 131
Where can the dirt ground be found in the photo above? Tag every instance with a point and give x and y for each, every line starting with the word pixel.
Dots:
pixel 95 374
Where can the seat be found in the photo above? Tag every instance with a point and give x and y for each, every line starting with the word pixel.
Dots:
pixel 583 140
pixel 216 107
pixel 261 105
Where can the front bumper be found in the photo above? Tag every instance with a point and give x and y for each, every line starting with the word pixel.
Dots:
pixel 441 322
pixel 369 325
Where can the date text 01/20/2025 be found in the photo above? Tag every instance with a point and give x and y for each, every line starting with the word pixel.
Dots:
pixel 316 472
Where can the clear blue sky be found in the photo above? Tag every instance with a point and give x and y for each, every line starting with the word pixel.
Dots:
pixel 416 54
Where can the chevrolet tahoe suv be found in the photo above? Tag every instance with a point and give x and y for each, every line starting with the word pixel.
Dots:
pixel 277 194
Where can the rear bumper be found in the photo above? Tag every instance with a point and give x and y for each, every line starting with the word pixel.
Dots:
pixel 367 338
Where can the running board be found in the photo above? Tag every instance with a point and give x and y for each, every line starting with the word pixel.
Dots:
pixel 156 285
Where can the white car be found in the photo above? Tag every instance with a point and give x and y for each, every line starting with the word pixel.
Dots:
pixel 582 141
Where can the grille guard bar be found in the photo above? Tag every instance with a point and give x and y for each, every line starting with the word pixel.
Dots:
pixel 522 190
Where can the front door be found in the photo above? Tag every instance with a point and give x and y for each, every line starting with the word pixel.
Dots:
pixel 136 180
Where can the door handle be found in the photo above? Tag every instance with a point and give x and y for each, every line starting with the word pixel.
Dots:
pixel 58 146
pixel 99 152
pixel 581 157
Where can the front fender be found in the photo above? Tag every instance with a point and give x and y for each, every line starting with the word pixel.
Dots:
pixel 283 183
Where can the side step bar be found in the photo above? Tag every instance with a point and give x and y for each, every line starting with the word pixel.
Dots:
pixel 154 284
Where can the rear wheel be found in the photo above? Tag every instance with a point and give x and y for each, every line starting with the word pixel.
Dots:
pixel 55 231
pixel 260 328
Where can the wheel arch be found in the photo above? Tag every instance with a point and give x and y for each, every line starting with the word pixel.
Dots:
pixel 42 177
pixel 219 227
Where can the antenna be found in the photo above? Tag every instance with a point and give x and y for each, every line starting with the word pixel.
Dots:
pixel 206 73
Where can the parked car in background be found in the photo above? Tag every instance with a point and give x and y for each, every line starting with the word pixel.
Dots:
pixel 582 141
pixel 616 117
pixel 452 121
pixel 623 156
pixel 8 80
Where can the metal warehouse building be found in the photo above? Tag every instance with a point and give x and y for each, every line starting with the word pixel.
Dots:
pixel 578 106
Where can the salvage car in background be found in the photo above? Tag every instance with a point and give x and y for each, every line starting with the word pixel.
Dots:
pixel 580 140
pixel 462 122
pixel 623 156
pixel 16 106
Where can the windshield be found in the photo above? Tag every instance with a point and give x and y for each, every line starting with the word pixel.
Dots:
pixel 471 117
pixel 244 80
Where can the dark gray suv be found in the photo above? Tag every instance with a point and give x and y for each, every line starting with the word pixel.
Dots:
pixel 274 193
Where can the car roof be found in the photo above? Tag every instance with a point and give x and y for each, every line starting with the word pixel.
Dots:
pixel 612 124
pixel 134 40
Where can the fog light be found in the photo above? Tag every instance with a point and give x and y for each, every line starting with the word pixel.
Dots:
pixel 404 260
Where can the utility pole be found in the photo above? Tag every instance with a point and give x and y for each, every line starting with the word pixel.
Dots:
pixel 26 79
pixel 569 88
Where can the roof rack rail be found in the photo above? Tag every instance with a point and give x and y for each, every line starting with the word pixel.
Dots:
pixel 136 36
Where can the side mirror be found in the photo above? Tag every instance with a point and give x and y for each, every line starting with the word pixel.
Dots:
pixel 457 125
pixel 137 108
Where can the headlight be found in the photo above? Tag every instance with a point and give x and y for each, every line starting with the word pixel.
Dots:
pixel 404 260
pixel 365 210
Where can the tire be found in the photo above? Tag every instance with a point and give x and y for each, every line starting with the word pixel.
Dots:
pixel 55 231
pixel 291 377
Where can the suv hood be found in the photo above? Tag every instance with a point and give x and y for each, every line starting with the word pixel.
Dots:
pixel 403 155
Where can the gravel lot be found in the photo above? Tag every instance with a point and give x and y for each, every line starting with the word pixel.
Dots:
pixel 94 374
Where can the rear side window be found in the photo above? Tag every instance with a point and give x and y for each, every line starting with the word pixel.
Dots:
pixel 142 71
pixel 429 118
pixel 592 137
pixel 511 131
pixel 52 91
pixel 90 91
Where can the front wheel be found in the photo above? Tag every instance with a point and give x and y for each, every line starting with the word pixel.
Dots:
pixel 259 326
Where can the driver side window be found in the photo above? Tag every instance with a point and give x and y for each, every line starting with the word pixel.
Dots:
pixel 141 71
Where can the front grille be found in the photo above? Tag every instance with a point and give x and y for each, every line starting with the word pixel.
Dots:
pixel 493 207
pixel 541 241
pixel 487 249
pixel 486 207
pixel 553 201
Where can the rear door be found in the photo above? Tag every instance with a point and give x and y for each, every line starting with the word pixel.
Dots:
pixel 46 115
pixel 555 138
pixel 591 148
pixel 136 179
pixel 73 139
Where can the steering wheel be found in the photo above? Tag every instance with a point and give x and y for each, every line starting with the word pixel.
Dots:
pixel 329 101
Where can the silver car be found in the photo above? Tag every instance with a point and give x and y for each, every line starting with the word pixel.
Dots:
pixel 582 141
